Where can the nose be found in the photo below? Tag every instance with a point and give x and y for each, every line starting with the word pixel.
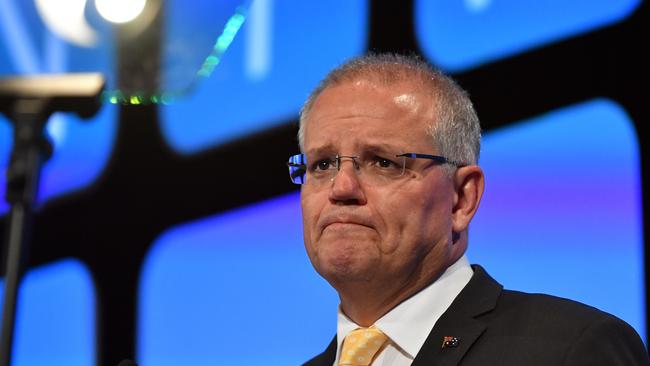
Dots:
pixel 346 188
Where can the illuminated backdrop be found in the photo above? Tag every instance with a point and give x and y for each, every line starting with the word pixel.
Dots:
pixel 562 212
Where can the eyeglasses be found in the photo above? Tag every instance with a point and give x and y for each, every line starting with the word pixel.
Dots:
pixel 374 169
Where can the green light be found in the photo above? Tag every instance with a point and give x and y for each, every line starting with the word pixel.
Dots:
pixel 223 42
pixel 221 46
pixel 166 98
pixel 212 60
pixel 230 29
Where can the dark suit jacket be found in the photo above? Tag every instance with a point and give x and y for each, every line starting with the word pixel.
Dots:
pixel 501 327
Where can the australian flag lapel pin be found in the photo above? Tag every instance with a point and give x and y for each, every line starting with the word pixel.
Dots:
pixel 450 342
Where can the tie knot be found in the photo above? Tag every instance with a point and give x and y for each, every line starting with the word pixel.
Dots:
pixel 361 345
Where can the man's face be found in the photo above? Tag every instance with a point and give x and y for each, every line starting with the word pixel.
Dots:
pixel 399 231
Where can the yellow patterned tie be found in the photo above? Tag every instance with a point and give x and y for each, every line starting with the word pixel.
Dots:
pixel 360 346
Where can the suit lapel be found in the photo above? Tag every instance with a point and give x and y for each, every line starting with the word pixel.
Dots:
pixel 459 321
pixel 434 353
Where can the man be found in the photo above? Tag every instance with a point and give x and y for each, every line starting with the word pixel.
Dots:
pixel 390 184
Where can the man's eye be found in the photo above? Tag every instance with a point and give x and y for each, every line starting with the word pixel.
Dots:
pixel 323 165
pixel 384 163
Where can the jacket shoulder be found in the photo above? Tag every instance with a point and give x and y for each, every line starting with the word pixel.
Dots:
pixel 576 333
pixel 532 329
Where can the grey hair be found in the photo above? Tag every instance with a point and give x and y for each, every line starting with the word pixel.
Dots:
pixel 457 132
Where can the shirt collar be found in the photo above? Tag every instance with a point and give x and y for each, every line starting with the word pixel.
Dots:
pixel 409 323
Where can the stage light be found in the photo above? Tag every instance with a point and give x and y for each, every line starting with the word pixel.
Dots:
pixel 66 19
pixel 120 11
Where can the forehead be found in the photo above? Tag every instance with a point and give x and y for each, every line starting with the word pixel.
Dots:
pixel 363 112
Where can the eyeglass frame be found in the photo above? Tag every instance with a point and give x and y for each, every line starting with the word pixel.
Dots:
pixel 294 178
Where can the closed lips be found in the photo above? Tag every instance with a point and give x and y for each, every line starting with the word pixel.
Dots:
pixel 352 220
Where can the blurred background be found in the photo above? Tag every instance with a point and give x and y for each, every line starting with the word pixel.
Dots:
pixel 168 231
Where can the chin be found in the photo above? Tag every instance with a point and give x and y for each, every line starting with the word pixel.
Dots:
pixel 346 263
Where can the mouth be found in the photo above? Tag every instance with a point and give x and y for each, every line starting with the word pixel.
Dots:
pixel 337 225
pixel 345 223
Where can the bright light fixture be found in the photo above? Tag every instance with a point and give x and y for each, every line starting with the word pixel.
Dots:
pixel 66 19
pixel 120 11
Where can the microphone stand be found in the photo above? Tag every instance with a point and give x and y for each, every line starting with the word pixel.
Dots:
pixel 29 102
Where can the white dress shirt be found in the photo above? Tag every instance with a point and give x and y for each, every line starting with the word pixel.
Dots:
pixel 408 324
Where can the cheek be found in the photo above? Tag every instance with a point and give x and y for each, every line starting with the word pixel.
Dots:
pixel 436 221
pixel 436 218
pixel 311 210
pixel 415 220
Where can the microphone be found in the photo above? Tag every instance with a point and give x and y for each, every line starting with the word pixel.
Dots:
pixel 127 363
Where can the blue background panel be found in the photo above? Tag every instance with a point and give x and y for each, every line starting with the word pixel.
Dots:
pixel 458 35
pixel 208 286
pixel 561 215
pixel 283 49
pixel 55 316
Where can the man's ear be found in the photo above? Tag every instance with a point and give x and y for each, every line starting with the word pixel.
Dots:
pixel 469 182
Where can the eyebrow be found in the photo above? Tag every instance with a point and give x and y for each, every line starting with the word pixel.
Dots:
pixel 327 148
pixel 384 148
pixel 373 147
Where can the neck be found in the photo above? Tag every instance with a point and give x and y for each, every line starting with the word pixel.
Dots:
pixel 364 303
pixel 365 312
